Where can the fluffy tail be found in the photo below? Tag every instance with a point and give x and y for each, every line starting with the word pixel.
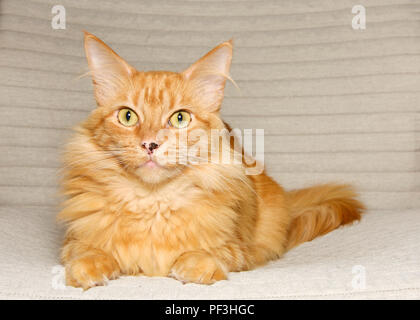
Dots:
pixel 319 210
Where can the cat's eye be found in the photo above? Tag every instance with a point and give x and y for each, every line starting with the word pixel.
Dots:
pixel 127 117
pixel 180 119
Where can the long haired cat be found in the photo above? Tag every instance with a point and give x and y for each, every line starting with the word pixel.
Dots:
pixel 128 211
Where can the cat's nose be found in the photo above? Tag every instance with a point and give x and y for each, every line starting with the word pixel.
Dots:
pixel 149 146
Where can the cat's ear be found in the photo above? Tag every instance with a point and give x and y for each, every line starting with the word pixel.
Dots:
pixel 109 71
pixel 209 74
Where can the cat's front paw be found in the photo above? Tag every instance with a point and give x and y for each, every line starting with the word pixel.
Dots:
pixel 90 271
pixel 198 267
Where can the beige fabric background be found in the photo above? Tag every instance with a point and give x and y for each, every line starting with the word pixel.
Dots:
pixel 336 104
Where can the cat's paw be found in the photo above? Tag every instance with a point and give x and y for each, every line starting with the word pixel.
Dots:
pixel 198 267
pixel 90 271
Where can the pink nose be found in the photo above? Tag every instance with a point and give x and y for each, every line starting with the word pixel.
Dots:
pixel 149 146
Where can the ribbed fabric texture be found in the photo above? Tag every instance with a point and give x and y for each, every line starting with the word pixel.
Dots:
pixel 336 104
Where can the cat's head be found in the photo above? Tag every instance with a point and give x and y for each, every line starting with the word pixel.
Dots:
pixel 140 115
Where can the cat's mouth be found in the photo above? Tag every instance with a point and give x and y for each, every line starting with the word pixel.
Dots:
pixel 151 164
pixel 156 165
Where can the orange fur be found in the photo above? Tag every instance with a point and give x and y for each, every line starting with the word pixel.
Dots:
pixel 319 210
pixel 194 223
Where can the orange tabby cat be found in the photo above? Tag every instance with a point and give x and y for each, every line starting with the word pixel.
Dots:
pixel 129 212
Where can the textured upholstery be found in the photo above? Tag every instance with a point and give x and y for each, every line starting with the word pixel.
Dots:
pixel 336 104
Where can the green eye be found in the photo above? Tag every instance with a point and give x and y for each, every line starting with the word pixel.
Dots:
pixel 180 119
pixel 127 117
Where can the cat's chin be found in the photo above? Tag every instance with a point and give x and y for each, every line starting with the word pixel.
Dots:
pixel 154 173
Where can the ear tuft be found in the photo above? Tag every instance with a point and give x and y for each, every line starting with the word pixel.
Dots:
pixel 209 74
pixel 109 71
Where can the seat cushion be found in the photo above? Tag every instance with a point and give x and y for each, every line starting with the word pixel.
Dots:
pixel 336 104
pixel 376 258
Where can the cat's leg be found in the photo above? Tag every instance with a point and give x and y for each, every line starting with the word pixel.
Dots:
pixel 207 267
pixel 198 267
pixel 86 266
